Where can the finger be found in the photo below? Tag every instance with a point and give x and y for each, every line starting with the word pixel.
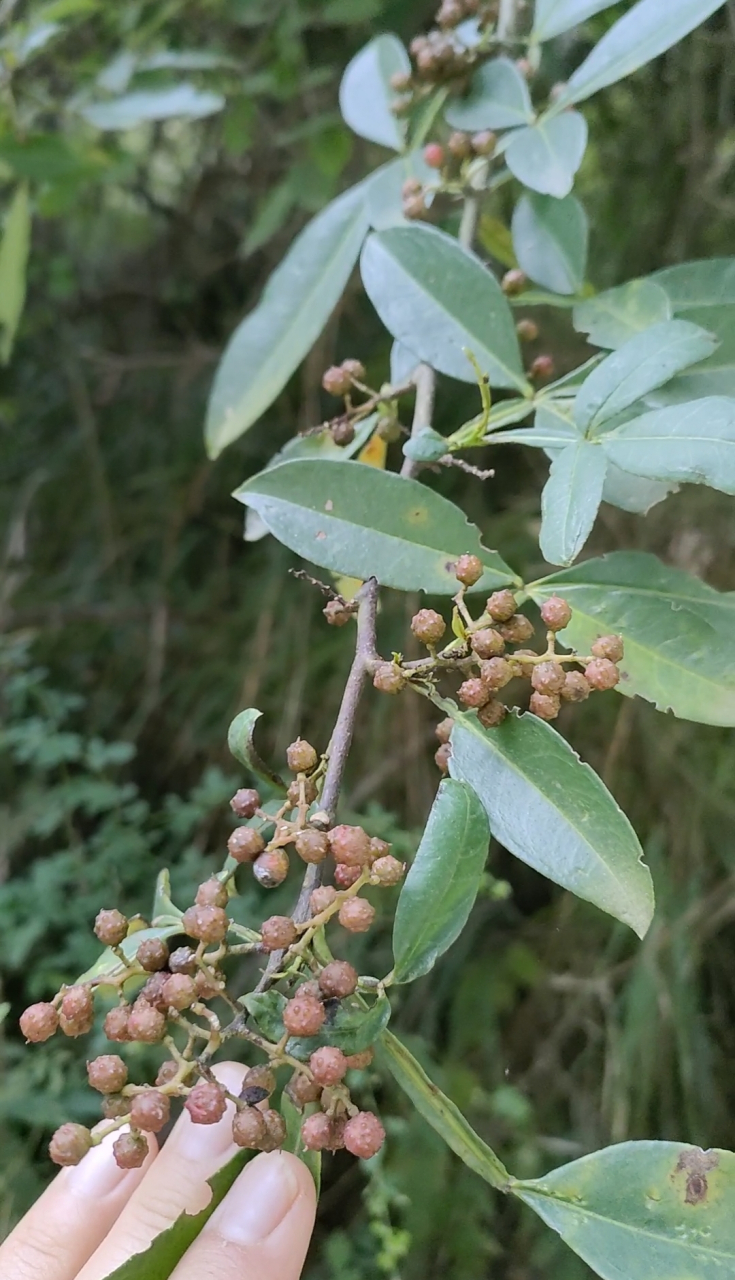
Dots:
pixel 262 1228
pixel 72 1217
pixel 176 1183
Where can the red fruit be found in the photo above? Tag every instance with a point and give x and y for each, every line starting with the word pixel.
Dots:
pixel 206 924
pixel 468 570
pixel 303 1016
pixel 145 1023
pixel 610 647
pixel 316 1132
pixel 107 1074
pixel 328 1065
pixel 356 915
pixel 245 802
pixel 38 1022
pixel 70 1144
pixel 345 877
pixel 428 626
pixel 600 673
pixel 555 613
pixel 150 1111
pixel 364 1135
pixel 179 991
pixel 245 843
pixel 116 1023
pixel 111 927
pixel 271 868
pixel 349 845
pixel 206 1103
pixel 212 893
pixel 338 979
pixel 130 1150
pixel 434 155
pixel 278 932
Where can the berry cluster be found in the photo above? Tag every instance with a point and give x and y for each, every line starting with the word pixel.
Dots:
pixel 175 992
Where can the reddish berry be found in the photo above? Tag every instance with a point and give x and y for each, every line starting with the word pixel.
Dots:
pixel 316 1132
pixel 545 705
pixel 271 868
pixel 514 282
pixel 111 927
pixel 610 647
pixel 145 1023
pixel 601 673
pixel 337 613
pixel 206 1103
pixel 444 728
pixel 304 1015
pixel 459 145
pixel 501 605
pixel 575 688
pixel 328 1065
pixel 179 991
pixel 434 155
pixel 473 692
pixel 130 1150
pixel 245 802
pixel 542 368
pixel 442 756
pixel 496 673
pixel 350 845
pixel 359 1061
pixel 208 985
pixel 116 1023
pixel 356 915
pixel 388 870
pixel 492 714
pixel 547 677
pixel 153 991
pixel 378 848
pixel 107 1074
pixel 517 630
pixel 483 144
pixel 337 980
pixel 311 845
pixel 487 643
pixel 278 932
pixel 411 187
pixel 212 893
pixel 206 924
pixel 150 1111
pixel 355 368
pixel 152 954
pixel 183 960
pixel 248 1128
pixel 428 626
pixel 302 1090
pixel 527 330
pixel 336 381
pixel 555 613
pixel 294 792
pixel 114 1106
pixel 76 1014
pixel 414 207
pixel 388 678
pixel 322 898
pixel 70 1144
pixel 364 1135
pixel 468 570
pixel 245 843
pixel 301 756
pixel 167 1071
pixel 275 1130
pixel 38 1022
pixel 345 877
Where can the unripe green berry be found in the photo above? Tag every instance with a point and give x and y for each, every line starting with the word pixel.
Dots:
pixel 555 613
pixel 428 626
pixel 468 570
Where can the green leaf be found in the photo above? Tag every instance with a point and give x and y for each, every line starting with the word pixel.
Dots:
pixel 439 299
pixel 441 1113
pixel 687 444
pixel 294 1119
pixel 160 1259
pixel 14 249
pixel 164 911
pixel 441 886
pixel 498 98
pixel 612 317
pixel 709 282
pixel 241 742
pixel 426 446
pixel 273 339
pixel 266 1010
pixel 570 500
pixel 365 94
pixel 152 104
pixel 551 17
pixel 552 811
pixel 713 376
pixel 402 362
pixel 643 1210
pixel 546 155
pixel 645 31
pixel 633 493
pixel 550 241
pixel 678 632
pixel 362 522
pixel 384 189
pixel 109 965
pixel 353 1028
pixel 641 364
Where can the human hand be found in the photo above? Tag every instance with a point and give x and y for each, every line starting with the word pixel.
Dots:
pixel 93 1217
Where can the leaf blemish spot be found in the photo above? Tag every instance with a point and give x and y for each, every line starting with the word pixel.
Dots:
pixel 696 1164
pixel 329 505
pixel 321 535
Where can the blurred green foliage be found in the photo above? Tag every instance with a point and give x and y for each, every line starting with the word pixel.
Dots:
pixel 136 622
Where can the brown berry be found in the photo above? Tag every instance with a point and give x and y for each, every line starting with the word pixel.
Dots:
pixel 388 870
pixel 302 1090
pixel 601 673
pixel 359 1061
pixel 345 877
pixel 293 794
pixel 575 688
pixel 248 1128
pixel 610 647
pixel 150 1111
pixel 316 1132
pixel 364 1135
pixel 388 678
pixel 76 1014
pixel 337 613
pixel 336 381
pixel 208 985
pixel 206 924
pixel 116 1023
pixel 527 330
pixel 114 1106
pixel 542 368
pixel 356 915
pixel 483 143
pixel 487 643
pixel 459 145
pixel 400 81
pixel 514 282
pixel 547 677
pixel 261 1078
pixel 428 626
pixel 496 673
pixel 442 756
pixel 70 1144
pixel 350 845
pixel 545 705
pixel 245 802
pixel 303 1016
pixel 501 605
pixel 146 1023
pixel 107 1074
pixel 378 848
pixel 473 692
pixel 555 613
pixel 342 431
pixel 130 1150
pixel 434 155
pixel 492 714
pixel 278 932
pixel 444 728
pixel 206 1103
pixel 212 893
pixel 38 1022
pixel 517 630
pixel 271 868
pixel 328 1065
pixel 183 960
pixel 111 927
pixel 245 843
pixel 167 1071
pixel 301 756
pixel 275 1130
pixel 152 954
pixel 355 368
pixel 153 990
pixel 414 207
pixel 337 980
pixel 322 898
pixel 179 991
pixel 411 187
pixel 468 570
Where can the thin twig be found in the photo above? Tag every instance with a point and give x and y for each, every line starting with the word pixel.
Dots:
pixel 425 382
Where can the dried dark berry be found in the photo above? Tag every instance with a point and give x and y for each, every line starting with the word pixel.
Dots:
pixel 302 1090
pixel 342 432
pixel 260 1077
pixel 275 1131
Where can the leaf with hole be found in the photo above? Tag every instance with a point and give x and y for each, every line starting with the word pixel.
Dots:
pixel 441 886
pixel 241 742
pixel 550 241
pixel 570 499
pixel 365 95
pixel 690 443
pixel 497 98
pixel 546 155
pixel 272 340
pixel 441 301
pixel 677 631
pixel 643 1210
pixel 362 522
pixel 612 317
pixel 551 17
pixel 554 813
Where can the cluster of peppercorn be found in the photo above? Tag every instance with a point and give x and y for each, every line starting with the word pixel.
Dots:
pixel 441 57
pixel 185 990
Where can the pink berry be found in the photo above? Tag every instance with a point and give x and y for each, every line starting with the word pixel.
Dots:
pixel 610 647
pixel 316 1132
pixel 111 927
pixel 555 613
pixel 328 1065
pixel 206 1103
pixel 501 605
pixel 468 570
pixel 70 1144
pixel 322 898
pixel 364 1135
pixel 311 845
pixel 245 843
pixel 547 677
pixel 345 877
pixel 575 688
pixel 428 626
pixel 487 643
pixel 349 845
pixel 601 673
pixel 545 705
pixel 278 932
pixel 146 1024
pixel 38 1022
pixel 338 979
pixel 303 1016
pixel 302 1089
pixel 77 1011
pixel 179 991
pixel 130 1150
pixel 434 155
pixel 206 924
pixel 107 1074
pixel 211 893
pixel 271 868
pixel 116 1023
pixel 245 802
pixel 356 915
pixel 150 1111
pixel 152 954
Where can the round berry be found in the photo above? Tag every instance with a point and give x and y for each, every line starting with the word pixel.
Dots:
pixel 107 1074
pixel 514 282
pixel 468 570
pixel 206 924
pixel 359 1061
pixel 115 1106
pixel 473 692
pixel 206 1103
pixel 293 794
pixel 302 1090
pixel 261 1078
pixel 350 845
pixel 146 1024
pixel 555 613
pixel 316 1132
pixel 545 705
pixel 328 1065
pixel 414 207
pixel 575 688
pixel 345 877
pixel 492 714
pixel 130 1150
pixel 70 1144
pixel 496 673
pixel 527 330
pixel 542 368
pixel 275 1130
pixel 111 927
pixel 245 802
pixel 355 368
pixel 442 756
pixel 76 1014
pixel 444 728
pixel 517 630
pixel 271 868
pixel 342 431
pixel 150 1111
pixel 487 643
pixel 388 678
pixel 547 677
pixel 212 893
pixel 378 848
pixel 364 1135
pixel 278 932
pixel 322 898
pixel 38 1022
pixel 610 647
pixel 183 960
pixel 312 846
pixel 208 984
pixel 167 1071
pixel 428 626
pixel 152 954
pixel 153 991
pixel 245 843
pixel 388 870
pixel 304 1015
pixel 459 145
pixel 483 143
pixel 434 155
pixel 179 991
pixel 337 613
pixel 601 673
pixel 336 381
pixel 337 980
pixel 301 756
pixel 116 1023
pixel 248 1128
pixel 501 605
pixel 356 915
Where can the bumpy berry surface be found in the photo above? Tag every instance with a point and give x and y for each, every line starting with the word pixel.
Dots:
pixel 322 898
pixel 388 678
pixel 150 1111
pixel 70 1144
pixel 116 1023
pixel 206 1103
pixel 76 1014
pixel 468 570
pixel 555 613
pixel 206 924
pixel 153 990
pixel 39 1021
pixel 610 647
pixel 338 978
pixel 547 677
pixel 275 1130
pixel 444 728
pixel 278 932
pixel 441 757
pixel 473 692
pixel 356 915
pixel 114 1106
pixel 303 1090
pixel 248 1128
pixel 245 802
pixel 211 893
pixel 545 705
pixel 111 927
pixel 336 381
pixel 345 877
pixel 301 756
pixel 166 1072
pixel 337 613
pixel 183 960
pixel 107 1074
pixel 428 626
pixel 388 870
pixel 260 1077
pixel 495 673
pixel 517 629
pixel 303 1016
pixel 152 954
pixel 378 848
pixel 501 605
pixel 364 1135
pixel 349 845
pixel 329 1065
pixel 245 843
pixel 487 643
pixel 316 1132
pixel 492 714
pixel 130 1150
pixel 576 687
pixel 179 991
pixel 601 673
pixel 146 1023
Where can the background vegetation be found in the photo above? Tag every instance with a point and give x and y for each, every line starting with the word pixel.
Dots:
pixel 134 621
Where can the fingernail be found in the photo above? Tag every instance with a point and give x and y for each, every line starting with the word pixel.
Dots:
pixel 258 1202
pixel 98 1173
